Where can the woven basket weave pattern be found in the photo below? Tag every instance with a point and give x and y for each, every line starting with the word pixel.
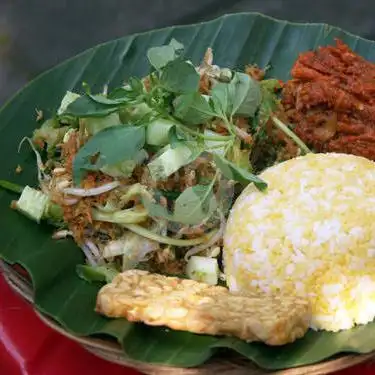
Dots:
pixel 232 365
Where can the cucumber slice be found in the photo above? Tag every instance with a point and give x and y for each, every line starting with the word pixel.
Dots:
pixel 203 269
pixel 32 203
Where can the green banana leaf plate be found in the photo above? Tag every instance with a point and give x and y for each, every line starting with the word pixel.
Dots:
pixel 59 293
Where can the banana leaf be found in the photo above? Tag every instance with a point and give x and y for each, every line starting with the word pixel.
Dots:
pixel 237 40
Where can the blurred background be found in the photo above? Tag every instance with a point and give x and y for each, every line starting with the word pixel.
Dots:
pixel 37 34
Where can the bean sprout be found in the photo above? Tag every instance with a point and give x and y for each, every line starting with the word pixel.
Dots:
pixel 93 191
pixel 93 248
pixel 90 259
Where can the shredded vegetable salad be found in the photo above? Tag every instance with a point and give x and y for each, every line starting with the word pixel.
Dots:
pixel 143 175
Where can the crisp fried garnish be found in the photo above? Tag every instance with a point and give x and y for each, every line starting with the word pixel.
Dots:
pixel 69 150
pixel 255 72
pixel 78 214
pixel 39 114
pixel 208 58
pixel 79 217
pixel 200 308
pixel 204 84
pixel 147 83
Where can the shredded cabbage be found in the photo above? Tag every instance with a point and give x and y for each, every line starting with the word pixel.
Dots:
pixel 132 247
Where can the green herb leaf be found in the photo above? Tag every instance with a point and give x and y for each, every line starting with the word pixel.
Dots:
pixel 239 88
pixel 220 99
pixel 246 103
pixel 110 146
pixel 227 97
pixel 104 274
pixel 179 76
pixel 159 57
pixel 241 95
pixel 195 204
pixel 101 99
pixel 86 106
pixel 193 109
pixel 126 167
pixel 233 172
pixel 136 85
pixel 191 207
pixel 175 137
pixel 156 209
pixel 179 47
pixel 120 93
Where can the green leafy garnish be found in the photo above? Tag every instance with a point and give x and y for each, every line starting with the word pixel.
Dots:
pixel 126 167
pixel 175 137
pixel 159 57
pixel 241 94
pixel 155 209
pixel 179 77
pixel 108 147
pixel 192 206
pixel 253 98
pixel 195 204
pixel 235 173
pixel 193 109
pixel 239 87
pixel 87 106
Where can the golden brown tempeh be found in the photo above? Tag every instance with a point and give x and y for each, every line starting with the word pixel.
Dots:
pixel 200 308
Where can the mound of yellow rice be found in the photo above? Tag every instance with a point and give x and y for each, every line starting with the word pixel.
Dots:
pixel 311 233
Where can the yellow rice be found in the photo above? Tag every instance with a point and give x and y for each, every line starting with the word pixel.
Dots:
pixel 311 233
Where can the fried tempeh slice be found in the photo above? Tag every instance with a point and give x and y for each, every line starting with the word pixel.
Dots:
pixel 188 305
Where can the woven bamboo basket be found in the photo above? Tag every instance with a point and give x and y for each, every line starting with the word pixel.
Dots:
pixel 232 364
